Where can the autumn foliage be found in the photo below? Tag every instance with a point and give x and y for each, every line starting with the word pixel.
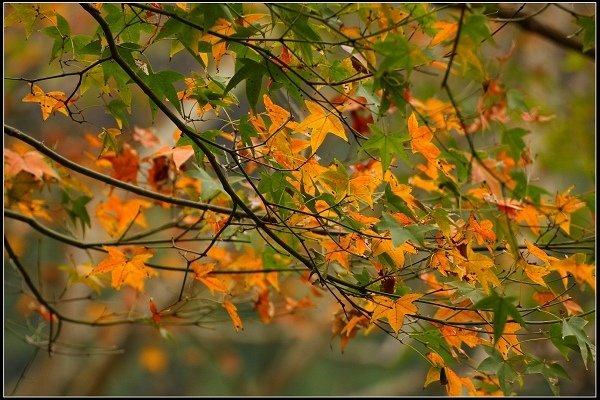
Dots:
pixel 217 194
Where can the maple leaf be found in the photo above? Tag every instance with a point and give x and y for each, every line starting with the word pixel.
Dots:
pixel 264 306
pixel 394 310
pixel 126 164
pixel 580 271
pixel 49 102
pixel 531 216
pixel 482 267
pixel 457 336
pixel 180 154
pixel 320 122
pixel 362 187
pixel 115 215
pixel 145 136
pixel 32 162
pixel 235 318
pixel 279 116
pixel 536 273
pixel 380 246
pixel 202 271
pixel 509 340
pixel 125 271
pixel 454 385
pixel 337 251
pixel 34 208
pixel 564 206
pixel 447 30
pixel 484 231
pixel 81 274
pixel 421 137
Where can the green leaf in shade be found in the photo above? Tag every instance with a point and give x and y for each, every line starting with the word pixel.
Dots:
pixel 524 189
pixel 442 220
pixel 94 47
pixel 465 290
pixel 118 109
pixel 249 70
pixel 589 32
pixel 513 138
pixel 397 203
pixel 477 27
pixel 574 327
pixel 162 84
pixel 63 25
pixel 400 234
pixel 210 186
pixel 387 145
pixel 564 345
pixel 502 307
pixel 493 363
pixel 76 209
pixel 274 260
pixel 507 376
pixel 433 339
pixel 168 29
pixel 514 99
pixel 551 371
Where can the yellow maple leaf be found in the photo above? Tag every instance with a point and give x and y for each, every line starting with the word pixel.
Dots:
pixel 573 266
pixel 447 30
pixel 320 122
pixel 535 273
pixel 481 266
pixel 564 206
pixel 49 102
pixel 380 246
pixel 202 271
pixel 531 216
pixel 235 318
pixel 362 187
pixel 125 271
pixel 509 340
pixel 454 383
pixel 394 310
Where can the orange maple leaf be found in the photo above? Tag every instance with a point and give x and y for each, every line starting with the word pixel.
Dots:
pixel 125 271
pixel 420 139
pixel 264 306
pixel 125 165
pixel 235 318
pixel 279 116
pixel 573 266
pixel 509 340
pixel 394 310
pixel 320 122
pixel 213 283
pixel 115 215
pixel 49 102
pixel 564 206
pixel 447 30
